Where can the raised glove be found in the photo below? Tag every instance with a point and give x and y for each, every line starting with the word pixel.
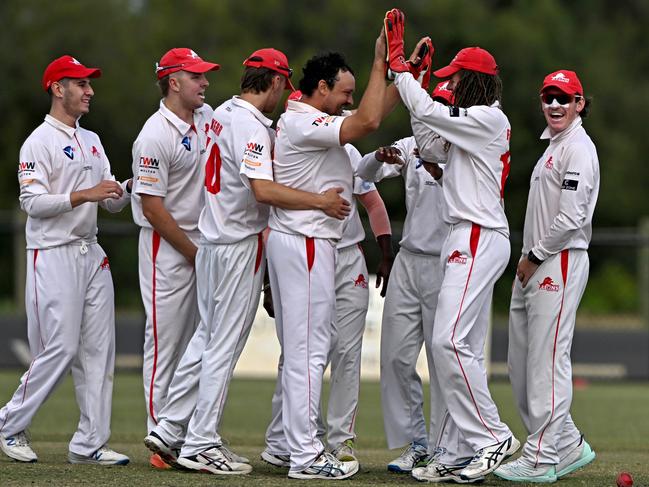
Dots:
pixel 394 24
pixel 421 70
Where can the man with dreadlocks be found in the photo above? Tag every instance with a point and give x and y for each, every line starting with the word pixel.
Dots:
pixel 474 254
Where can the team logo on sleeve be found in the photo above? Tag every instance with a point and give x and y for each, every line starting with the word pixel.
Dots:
pixel 69 151
pixel 548 285
pixel 457 257
pixel 95 152
pixel 324 121
pixel 360 281
pixel 252 153
pixel 569 185
pixel 105 265
pixel 187 142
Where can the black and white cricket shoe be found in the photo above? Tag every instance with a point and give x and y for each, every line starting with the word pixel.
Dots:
pixel 212 460
pixel 436 472
pixel 276 459
pixel 326 467
pixel 156 444
pixel 489 458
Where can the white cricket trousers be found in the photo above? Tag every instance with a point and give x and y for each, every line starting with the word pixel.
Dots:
pixel 473 258
pixel 229 279
pixel 541 327
pixel 69 300
pixel 168 288
pixel 301 272
pixel 352 297
pixel 408 318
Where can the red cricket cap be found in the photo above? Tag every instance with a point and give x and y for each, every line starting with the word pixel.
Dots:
pixel 471 59
pixel 183 59
pixel 67 67
pixel 566 80
pixel 272 59
pixel 441 91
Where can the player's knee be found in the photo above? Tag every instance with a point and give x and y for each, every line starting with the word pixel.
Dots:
pixel 442 346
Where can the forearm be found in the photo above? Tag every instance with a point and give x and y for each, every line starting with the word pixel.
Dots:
pixel 377 213
pixel 385 246
pixel 165 225
pixel 372 106
pixel 45 205
pixel 272 193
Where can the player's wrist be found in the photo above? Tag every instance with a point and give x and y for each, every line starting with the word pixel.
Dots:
pixel 533 258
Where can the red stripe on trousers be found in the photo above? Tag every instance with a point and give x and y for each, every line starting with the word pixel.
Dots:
pixel 473 244
pixel 310 258
pixel 564 276
pixel 156 247
pixel 260 251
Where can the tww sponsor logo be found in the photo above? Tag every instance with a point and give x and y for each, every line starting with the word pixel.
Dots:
pixel 456 257
pixel 149 162
pixel 322 121
pixel 549 285
pixel 254 148
pixel 26 166
pixel 360 281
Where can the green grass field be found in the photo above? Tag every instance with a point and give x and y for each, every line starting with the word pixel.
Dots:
pixel 613 415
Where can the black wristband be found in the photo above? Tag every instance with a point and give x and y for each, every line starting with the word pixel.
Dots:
pixel 533 258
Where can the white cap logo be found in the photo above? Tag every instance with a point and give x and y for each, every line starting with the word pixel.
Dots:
pixel 444 86
pixel 193 54
pixel 561 78
pixel 74 61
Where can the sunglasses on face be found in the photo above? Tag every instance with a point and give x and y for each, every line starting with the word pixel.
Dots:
pixel 562 98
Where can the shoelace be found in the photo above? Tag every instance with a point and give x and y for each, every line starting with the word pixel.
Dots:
pixel 21 439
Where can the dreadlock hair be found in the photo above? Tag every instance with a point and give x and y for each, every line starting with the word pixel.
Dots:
pixel 476 88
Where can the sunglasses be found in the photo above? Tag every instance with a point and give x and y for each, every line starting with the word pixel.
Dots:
pixel 258 59
pixel 562 98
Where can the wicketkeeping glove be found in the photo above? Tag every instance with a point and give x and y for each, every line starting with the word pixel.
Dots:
pixel 394 24
pixel 421 71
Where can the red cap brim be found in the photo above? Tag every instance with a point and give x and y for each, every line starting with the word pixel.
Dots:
pixel 446 72
pixel 201 67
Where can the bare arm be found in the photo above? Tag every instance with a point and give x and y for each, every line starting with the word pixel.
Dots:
pixel 163 223
pixel 272 193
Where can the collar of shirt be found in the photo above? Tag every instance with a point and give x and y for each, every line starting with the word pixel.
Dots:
pixel 61 126
pixel 576 123
pixel 301 107
pixel 182 126
pixel 238 101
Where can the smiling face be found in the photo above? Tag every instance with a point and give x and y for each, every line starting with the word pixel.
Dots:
pixel 75 95
pixel 190 88
pixel 562 110
pixel 340 96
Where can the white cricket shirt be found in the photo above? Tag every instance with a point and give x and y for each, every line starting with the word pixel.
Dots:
pixel 353 231
pixel 167 163
pixel 563 194
pixel 56 160
pixel 478 160
pixel 239 135
pixel 308 156
pixel 424 229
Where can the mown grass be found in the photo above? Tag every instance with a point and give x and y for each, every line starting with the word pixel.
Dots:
pixel 614 416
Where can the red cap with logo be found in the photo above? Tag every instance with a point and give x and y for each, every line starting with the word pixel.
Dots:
pixel 441 91
pixel 67 67
pixel 272 59
pixel 566 80
pixel 471 59
pixel 183 59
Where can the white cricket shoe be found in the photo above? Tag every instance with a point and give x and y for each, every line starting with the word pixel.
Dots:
pixel 278 460
pixel 579 457
pixel 436 472
pixel 345 451
pixel 18 447
pixel 326 467
pixel 157 445
pixel 103 456
pixel 489 458
pixel 231 456
pixel 212 460
pixel 415 455
pixel 522 470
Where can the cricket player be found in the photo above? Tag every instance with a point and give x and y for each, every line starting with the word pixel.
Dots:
pixel 310 155
pixel 550 280
pixel 475 252
pixel 229 266
pixel 167 200
pixel 411 300
pixel 64 175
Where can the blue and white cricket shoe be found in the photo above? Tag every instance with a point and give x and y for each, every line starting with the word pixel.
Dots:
pixel 18 447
